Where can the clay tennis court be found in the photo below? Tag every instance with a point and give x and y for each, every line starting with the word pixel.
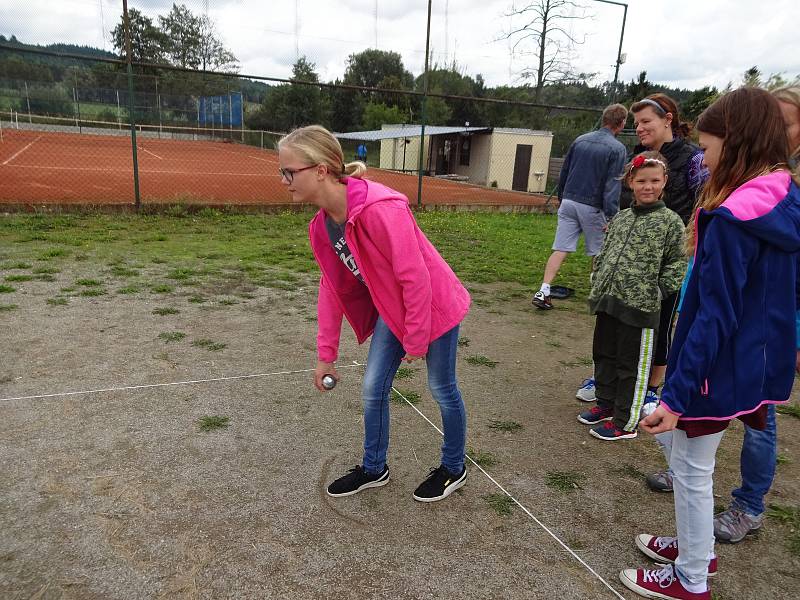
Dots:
pixel 63 169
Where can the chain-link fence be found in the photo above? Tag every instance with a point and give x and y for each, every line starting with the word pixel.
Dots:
pixel 92 130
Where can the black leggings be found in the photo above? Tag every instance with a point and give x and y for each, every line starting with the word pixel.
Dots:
pixel 669 308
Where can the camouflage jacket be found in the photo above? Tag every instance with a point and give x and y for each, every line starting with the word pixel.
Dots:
pixel 641 263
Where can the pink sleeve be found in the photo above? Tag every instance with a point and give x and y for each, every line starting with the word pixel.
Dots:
pixel 329 324
pixel 395 227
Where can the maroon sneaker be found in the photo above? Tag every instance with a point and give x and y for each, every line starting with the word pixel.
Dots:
pixel 664 550
pixel 659 583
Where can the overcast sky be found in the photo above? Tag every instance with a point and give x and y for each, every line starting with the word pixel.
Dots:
pixel 686 43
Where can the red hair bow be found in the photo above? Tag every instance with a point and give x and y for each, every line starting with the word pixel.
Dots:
pixel 638 161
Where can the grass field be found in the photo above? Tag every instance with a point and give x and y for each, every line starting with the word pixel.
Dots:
pixel 171 476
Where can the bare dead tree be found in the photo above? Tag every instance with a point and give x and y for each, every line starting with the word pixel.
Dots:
pixel 542 34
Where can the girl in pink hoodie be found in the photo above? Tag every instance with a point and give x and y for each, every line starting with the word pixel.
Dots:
pixel 380 272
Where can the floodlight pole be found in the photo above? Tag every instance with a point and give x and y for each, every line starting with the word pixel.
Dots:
pixel 424 98
pixel 621 35
pixel 137 199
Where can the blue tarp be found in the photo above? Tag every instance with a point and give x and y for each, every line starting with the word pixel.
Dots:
pixel 221 111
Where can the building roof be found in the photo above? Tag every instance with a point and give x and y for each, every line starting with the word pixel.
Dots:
pixel 400 131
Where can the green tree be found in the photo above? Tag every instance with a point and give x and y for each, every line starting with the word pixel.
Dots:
pixel 752 77
pixel 147 40
pixel 377 114
pixel 698 101
pixel 377 68
pixel 291 105
pixel 182 31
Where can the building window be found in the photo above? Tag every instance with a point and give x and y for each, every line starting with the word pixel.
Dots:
pixel 464 158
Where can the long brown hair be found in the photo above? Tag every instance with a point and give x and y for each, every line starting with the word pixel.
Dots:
pixel 750 123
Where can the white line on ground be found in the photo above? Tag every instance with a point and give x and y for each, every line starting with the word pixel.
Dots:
pixel 155 385
pixel 143 149
pixel 8 160
pixel 518 503
pixel 259 158
pixel 355 364
pixel 153 171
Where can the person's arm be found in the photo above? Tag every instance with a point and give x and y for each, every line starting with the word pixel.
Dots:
pixel 329 324
pixel 722 277
pixel 394 227
pixel 613 184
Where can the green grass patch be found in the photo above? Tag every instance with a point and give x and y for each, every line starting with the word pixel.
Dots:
pixel 181 274
pixel 484 459
pixel 92 292
pixel 793 410
pixel 8 307
pixel 564 481
pixel 500 503
pixel 57 301
pixel 18 277
pixel 210 345
pixel 88 282
pixel 227 302
pixel 212 422
pixel 195 299
pixel 46 271
pixel 6 289
pixel 166 310
pixel 463 341
pixel 397 396
pixel 122 271
pixel 481 361
pixel 509 426
pixel 171 336
pixel 18 265
pixel 53 253
pixel 162 288
pixel 44 277
pixel 790 516
pixel 405 373
pixel 782 459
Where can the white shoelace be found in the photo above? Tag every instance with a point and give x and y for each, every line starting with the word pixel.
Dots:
pixel 666 542
pixel 663 577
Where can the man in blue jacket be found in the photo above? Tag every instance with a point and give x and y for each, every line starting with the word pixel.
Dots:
pixel 588 188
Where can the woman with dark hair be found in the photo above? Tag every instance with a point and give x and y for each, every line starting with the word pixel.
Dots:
pixel 734 351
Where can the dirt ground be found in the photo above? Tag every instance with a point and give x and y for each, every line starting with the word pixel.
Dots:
pixel 119 495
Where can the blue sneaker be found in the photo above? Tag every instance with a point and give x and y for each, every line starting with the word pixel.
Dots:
pixel 595 415
pixel 651 401
pixel 610 432
pixel 586 391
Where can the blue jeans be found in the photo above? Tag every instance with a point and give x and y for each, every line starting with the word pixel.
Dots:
pixel 758 460
pixel 757 464
pixel 383 360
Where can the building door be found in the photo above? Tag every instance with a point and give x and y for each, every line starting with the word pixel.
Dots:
pixel 522 168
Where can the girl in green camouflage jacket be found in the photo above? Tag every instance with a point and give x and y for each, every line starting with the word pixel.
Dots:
pixel 642 262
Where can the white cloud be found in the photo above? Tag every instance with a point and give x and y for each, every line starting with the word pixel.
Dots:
pixel 687 43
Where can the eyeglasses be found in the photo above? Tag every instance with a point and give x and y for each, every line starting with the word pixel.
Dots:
pixel 288 174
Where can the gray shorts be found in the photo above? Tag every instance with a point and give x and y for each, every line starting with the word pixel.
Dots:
pixel 575 218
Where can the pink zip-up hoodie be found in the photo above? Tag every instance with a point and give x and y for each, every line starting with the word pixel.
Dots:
pixel 406 281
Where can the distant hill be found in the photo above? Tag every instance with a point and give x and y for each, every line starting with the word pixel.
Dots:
pixel 67 48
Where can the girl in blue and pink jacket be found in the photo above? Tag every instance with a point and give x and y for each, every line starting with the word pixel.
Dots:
pixel 380 272
pixel 734 350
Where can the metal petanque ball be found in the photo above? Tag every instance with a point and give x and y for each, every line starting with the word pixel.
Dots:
pixel 648 409
pixel 328 382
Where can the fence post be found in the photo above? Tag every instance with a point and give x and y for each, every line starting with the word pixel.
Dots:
pixel 262 139
pixel 28 102
pixel 158 101
pixel 119 112
pixel 424 98
pixel 132 116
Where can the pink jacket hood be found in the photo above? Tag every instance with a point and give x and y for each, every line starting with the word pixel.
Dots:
pixel 406 281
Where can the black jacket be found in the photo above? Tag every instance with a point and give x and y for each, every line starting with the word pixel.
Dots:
pixel 684 177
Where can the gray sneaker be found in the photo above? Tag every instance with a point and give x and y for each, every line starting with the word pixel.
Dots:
pixel 733 525
pixel 660 481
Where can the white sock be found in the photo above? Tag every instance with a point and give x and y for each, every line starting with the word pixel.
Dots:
pixel 545 289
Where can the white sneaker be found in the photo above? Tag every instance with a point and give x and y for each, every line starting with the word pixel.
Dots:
pixel 586 391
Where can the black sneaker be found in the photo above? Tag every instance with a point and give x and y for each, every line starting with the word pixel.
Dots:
pixel 357 479
pixel 541 301
pixel 440 484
